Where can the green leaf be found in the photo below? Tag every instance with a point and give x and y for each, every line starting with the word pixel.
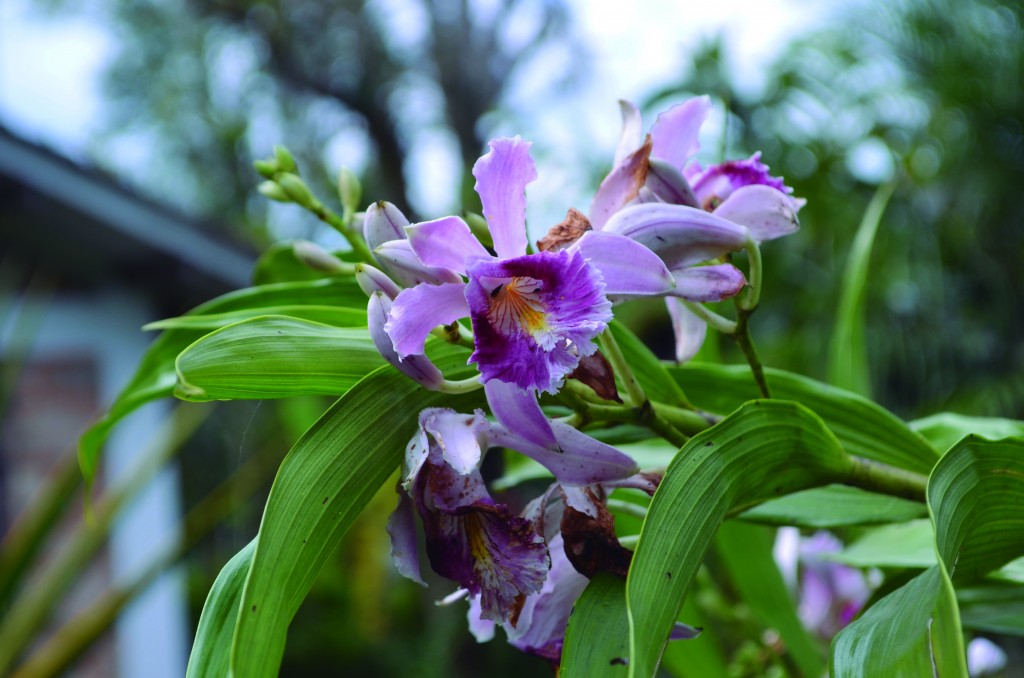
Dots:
pixel 275 357
pixel 994 608
pixel 328 315
pixel 976 496
pixel 864 429
pixel 746 553
pixel 597 638
pixel 976 501
pixel 847 352
pixel 835 506
pixel 947 428
pixel 155 376
pixel 904 545
pixel 211 651
pixel 766 449
pixel 655 380
pixel 913 631
pixel 322 485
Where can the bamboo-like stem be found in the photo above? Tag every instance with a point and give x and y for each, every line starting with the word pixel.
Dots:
pixel 33 607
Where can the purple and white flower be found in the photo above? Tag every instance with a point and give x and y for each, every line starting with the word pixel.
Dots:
pixel 689 215
pixel 476 542
pixel 533 315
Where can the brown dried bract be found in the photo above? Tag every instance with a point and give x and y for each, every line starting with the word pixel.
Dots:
pixel 590 543
pixel 595 371
pixel 566 233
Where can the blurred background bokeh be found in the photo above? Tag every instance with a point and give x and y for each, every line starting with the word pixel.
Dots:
pixel 127 135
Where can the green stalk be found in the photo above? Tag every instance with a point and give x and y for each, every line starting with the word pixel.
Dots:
pixel 343 226
pixel 32 608
pixel 55 656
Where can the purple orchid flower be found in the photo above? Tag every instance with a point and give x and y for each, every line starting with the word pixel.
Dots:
pixel 540 628
pixel 480 544
pixel 533 315
pixel 689 215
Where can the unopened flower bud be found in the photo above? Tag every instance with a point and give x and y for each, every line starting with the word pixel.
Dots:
pixel 402 264
pixel 383 223
pixel 350 191
pixel 266 168
pixel 317 258
pixel 297 190
pixel 419 368
pixel 271 190
pixel 285 161
pixel 372 280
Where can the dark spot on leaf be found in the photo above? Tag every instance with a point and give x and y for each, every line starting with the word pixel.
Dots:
pixel 324 501
pixel 709 443
pixel 618 661
pixel 254 608
pixel 668 575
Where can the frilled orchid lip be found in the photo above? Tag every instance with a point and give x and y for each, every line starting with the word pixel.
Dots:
pixel 534 316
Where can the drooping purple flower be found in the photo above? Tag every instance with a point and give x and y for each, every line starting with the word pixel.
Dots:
pixel 689 215
pixel 471 539
pixel 548 306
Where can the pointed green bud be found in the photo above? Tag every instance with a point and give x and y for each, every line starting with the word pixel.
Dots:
pixel 349 189
pixel 317 258
pixel 266 168
pixel 285 161
pixel 478 226
pixel 296 189
pixel 271 190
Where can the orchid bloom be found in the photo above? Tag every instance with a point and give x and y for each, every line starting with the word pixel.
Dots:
pixel 689 215
pixel 544 617
pixel 480 544
pixel 533 315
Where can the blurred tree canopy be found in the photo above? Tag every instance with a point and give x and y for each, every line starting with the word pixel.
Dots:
pixel 928 92
pixel 211 85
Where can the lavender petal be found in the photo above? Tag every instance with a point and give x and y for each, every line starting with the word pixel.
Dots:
pixel 626 266
pixel 519 411
pixel 501 178
pixel 767 212
pixel 401 529
pixel 676 131
pixel 689 330
pixel 445 243
pixel 708 283
pixel 460 437
pixel 621 186
pixel 418 310
pixel 632 137
pixel 398 259
pixel 680 235
pixel 419 368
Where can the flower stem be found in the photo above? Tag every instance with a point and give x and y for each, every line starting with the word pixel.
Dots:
pixel 723 325
pixel 643 410
pixel 750 297
pixel 742 337
pixel 613 353
pixel 627 507
pixel 467 385
pixel 343 226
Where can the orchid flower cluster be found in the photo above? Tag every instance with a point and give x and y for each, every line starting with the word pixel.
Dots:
pixel 660 225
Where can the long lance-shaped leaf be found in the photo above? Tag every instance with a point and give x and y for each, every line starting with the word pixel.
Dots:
pixel 766 449
pixel 976 502
pixel 155 377
pixel 597 637
pixel 655 380
pixel 835 506
pixel 864 429
pixel 275 357
pixel 211 651
pixel 338 316
pixel 946 429
pixel 847 351
pixel 323 483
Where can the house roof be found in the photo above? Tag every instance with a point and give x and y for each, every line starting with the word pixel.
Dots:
pixel 93 230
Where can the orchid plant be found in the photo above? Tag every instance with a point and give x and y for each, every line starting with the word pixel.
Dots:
pixel 475 342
